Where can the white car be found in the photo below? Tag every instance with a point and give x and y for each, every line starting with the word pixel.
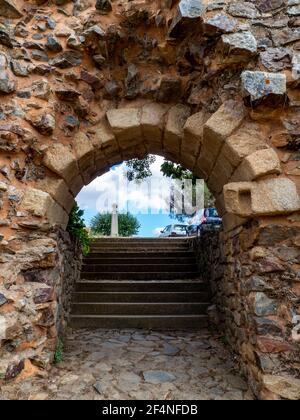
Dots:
pixel 173 231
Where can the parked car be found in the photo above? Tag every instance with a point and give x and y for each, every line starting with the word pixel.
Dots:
pixel 172 231
pixel 206 219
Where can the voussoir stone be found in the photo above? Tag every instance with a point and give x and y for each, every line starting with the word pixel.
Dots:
pixel 220 125
pixel 258 164
pixel 174 128
pixel 193 133
pixel 242 143
pixel 58 190
pixel 153 121
pixel 126 125
pixel 84 149
pixel 59 159
pixel 104 140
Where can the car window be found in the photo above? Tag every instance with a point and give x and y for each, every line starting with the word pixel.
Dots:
pixel 212 213
pixel 180 228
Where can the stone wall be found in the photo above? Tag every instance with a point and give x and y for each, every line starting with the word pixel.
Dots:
pixel 254 277
pixel 35 299
pixel 213 85
pixel 70 254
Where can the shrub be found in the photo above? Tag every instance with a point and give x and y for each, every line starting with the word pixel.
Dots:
pixel 76 227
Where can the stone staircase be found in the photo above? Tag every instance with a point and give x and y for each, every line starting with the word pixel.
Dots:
pixel 140 283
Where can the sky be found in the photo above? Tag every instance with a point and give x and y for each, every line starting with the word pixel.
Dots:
pixel 151 211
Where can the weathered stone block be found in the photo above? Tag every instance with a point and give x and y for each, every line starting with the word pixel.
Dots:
pixel 76 184
pixel 258 84
pixel 193 134
pixel 84 150
pixel 245 141
pixel 220 126
pixel 285 386
pixel 258 164
pixel 263 305
pixel 220 175
pixel 188 12
pixel 59 191
pixel 36 202
pixel 153 122
pixel 240 46
pixel 9 9
pixel 59 159
pixel 126 125
pixel 104 140
pixel 43 122
pixel 56 215
pixel 265 197
pixel 101 166
pixel 175 121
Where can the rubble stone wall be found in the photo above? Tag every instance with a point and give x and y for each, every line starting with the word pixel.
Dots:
pixel 85 84
pixel 70 264
pixel 253 274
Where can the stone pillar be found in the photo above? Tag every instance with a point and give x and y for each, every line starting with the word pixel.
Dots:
pixel 114 221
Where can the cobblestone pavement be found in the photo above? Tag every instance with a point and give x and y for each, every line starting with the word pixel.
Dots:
pixel 129 364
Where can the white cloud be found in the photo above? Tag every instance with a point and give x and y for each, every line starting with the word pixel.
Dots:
pixel 101 193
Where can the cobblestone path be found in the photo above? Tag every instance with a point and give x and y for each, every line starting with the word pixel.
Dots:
pixel 138 364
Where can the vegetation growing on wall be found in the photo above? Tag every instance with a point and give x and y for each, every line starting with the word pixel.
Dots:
pixel 76 227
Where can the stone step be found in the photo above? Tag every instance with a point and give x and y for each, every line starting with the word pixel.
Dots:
pixel 141 286
pixel 129 260
pixel 129 245
pixel 139 275
pixel 137 297
pixel 144 308
pixel 154 241
pixel 139 254
pixel 157 322
pixel 137 268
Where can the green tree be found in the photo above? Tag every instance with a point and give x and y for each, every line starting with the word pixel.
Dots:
pixel 139 169
pixel 77 228
pixel 128 224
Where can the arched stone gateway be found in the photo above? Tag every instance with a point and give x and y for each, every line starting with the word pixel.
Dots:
pixel 212 85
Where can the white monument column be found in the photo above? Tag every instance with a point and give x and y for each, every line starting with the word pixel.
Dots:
pixel 114 221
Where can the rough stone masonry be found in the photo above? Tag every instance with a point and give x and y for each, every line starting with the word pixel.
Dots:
pixel 213 85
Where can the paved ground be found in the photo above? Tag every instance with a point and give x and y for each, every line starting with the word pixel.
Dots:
pixel 138 365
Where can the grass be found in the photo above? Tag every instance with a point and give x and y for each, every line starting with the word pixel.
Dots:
pixel 58 355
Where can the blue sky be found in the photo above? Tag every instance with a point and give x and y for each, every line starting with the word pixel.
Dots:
pixel 92 198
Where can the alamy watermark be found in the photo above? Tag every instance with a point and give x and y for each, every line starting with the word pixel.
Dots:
pixel 152 196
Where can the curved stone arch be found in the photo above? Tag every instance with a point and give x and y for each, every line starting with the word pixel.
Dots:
pixel 212 86
pixel 226 149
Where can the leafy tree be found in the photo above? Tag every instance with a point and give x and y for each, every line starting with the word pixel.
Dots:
pixel 128 224
pixel 139 169
pixel 76 227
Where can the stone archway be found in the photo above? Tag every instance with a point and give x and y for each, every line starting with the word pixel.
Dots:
pixel 205 85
